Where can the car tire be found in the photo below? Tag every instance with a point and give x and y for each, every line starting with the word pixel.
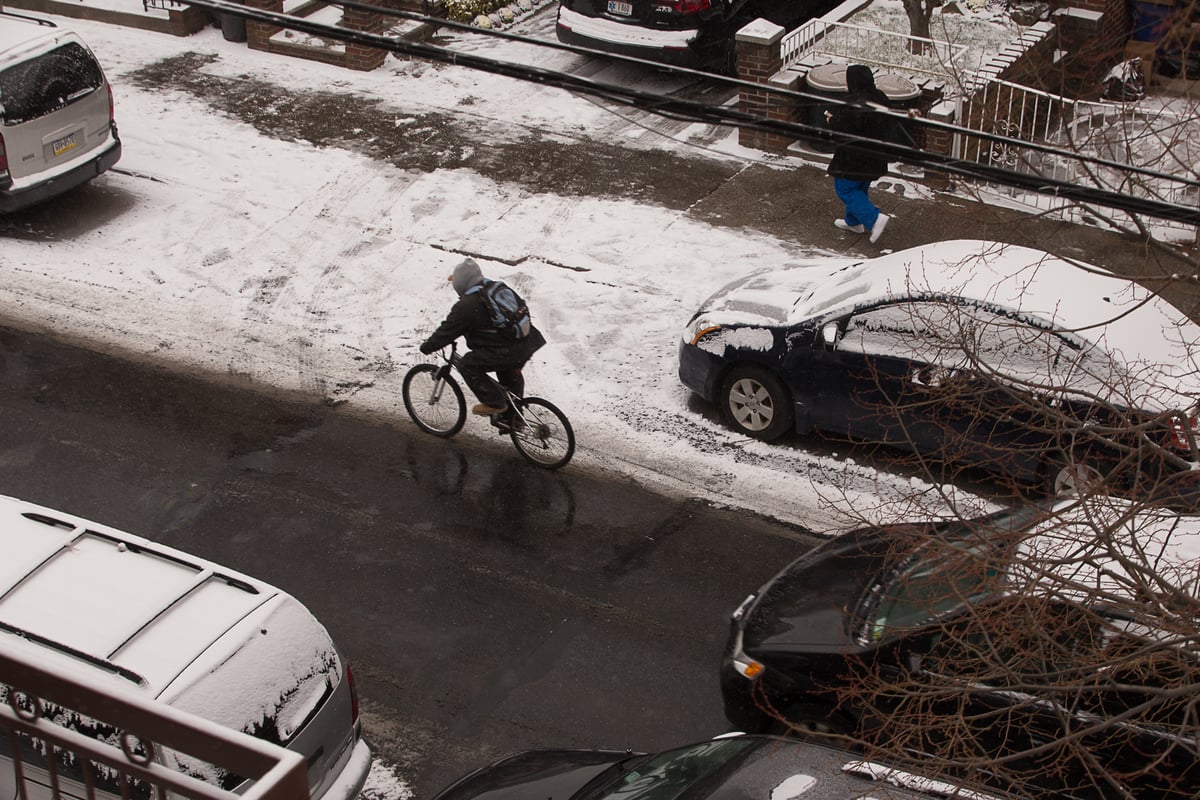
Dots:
pixel 1068 476
pixel 756 403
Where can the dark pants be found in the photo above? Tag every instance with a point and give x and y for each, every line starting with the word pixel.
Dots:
pixel 476 364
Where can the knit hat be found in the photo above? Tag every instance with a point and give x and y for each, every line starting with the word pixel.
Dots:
pixel 465 275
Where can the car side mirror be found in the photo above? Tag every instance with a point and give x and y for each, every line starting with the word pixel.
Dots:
pixel 829 334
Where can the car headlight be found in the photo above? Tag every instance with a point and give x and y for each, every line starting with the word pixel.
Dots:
pixel 697 329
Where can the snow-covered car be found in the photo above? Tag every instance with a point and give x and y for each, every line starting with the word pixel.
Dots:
pixel 698 34
pixel 731 766
pixel 1034 642
pixel 112 608
pixel 57 128
pixel 970 352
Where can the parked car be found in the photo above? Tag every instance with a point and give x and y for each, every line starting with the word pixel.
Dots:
pixel 737 766
pixel 113 608
pixel 972 352
pixel 697 34
pixel 1030 640
pixel 57 128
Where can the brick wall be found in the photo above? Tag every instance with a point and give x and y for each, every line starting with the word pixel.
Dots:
pixel 258 34
pixel 758 60
pixel 359 56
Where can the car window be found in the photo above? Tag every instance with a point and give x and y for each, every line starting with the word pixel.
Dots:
pixel 667 775
pixel 42 85
pixel 965 336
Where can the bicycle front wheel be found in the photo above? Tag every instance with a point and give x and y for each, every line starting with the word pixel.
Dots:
pixel 545 437
pixel 434 400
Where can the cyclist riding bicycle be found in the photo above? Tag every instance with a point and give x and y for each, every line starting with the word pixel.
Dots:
pixel 490 350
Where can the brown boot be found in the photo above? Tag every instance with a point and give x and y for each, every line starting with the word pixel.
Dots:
pixel 485 410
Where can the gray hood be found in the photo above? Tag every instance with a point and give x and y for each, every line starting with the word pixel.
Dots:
pixel 466 275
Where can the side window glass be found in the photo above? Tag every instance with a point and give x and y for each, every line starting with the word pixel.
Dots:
pixel 917 331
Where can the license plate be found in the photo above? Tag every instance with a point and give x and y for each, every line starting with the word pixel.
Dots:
pixel 60 146
pixel 617 7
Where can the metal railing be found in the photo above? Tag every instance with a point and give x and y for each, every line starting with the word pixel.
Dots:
pixel 50 759
pixel 1157 140
pixel 165 5
pixel 874 47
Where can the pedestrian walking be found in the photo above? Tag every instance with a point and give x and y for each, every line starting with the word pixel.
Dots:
pixel 855 164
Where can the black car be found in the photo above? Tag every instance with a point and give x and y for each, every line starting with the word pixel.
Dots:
pixel 970 352
pixel 740 766
pixel 697 34
pixel 998 643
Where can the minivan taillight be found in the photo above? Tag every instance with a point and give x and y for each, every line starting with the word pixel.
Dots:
pixel 112 115
pixel 353 696
pixel 689 6
pixel 5 178
pixel 1181 433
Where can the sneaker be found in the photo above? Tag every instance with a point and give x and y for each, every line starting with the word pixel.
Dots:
pixel 485 410
pixel 877 228
pixel 842 225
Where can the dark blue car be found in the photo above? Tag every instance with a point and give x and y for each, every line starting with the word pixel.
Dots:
pixel 968 351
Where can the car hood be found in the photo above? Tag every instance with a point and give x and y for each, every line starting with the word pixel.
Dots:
pixel 808 605
pixel 766 296
pixel 541 774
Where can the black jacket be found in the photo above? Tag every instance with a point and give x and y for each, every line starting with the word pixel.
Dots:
pixel 859 161
pixel 469 318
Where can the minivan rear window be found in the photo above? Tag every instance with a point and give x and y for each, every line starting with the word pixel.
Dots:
pixel 42 85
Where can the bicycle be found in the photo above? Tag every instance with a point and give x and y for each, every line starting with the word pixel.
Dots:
pixel 435 401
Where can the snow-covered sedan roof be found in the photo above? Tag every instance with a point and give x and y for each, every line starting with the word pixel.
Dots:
pixel 1122 318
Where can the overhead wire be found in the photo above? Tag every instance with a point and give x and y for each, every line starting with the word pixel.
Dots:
pixel 683 109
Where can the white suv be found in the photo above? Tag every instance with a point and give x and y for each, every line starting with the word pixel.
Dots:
pixel 56 112
pixel 90 601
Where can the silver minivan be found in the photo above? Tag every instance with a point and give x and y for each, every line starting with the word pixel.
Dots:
pixel 56 112
pixel 92 601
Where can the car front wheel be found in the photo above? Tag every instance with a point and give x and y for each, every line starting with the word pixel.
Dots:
pixel 756 403
pixel 1070 477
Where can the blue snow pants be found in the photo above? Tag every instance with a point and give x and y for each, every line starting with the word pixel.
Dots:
pixel 859 208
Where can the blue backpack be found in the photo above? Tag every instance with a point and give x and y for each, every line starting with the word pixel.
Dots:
pixel 510 315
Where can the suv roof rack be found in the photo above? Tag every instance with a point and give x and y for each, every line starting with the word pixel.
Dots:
pixel 4 12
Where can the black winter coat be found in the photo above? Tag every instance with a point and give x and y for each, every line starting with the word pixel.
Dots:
pixel 469 318
pixel 859 161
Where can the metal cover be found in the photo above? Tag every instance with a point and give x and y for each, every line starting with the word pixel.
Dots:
pixel 832 78
pixel 827 78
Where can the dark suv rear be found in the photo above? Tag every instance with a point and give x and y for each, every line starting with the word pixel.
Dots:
pixel 698 34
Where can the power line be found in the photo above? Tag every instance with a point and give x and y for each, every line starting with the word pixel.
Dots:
pixel 696 111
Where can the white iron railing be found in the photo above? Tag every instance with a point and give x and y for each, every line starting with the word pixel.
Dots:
pixel 49 759
pixel 886 50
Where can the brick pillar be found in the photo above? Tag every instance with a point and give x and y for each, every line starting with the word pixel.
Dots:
pixel 258 34
pixel 940 141
pixel 758 59
pixel 359 56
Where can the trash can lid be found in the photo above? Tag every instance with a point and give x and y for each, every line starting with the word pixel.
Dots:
pixel 832 78
pixel 897 87
pixel 827 78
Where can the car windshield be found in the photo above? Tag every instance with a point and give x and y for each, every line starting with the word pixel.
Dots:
pixel 666 775
pixel 959 564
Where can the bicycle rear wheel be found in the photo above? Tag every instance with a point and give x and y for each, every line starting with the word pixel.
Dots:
pixel 546 437
pixel 434 400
